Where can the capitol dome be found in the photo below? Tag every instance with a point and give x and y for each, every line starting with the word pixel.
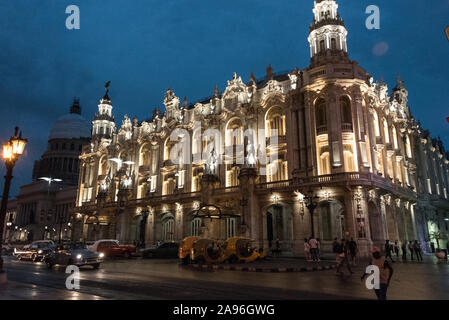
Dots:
pixel 71 126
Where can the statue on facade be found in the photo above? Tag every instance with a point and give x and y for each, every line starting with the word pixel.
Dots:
pixel 211 164
pixel 251 154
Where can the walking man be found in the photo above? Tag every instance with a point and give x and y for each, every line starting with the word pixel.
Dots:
pixel 404 251
pixel 417 247
pixel 352 251
pixel 343 257
pixel 385 273
pixel 396 249
pixel 388 250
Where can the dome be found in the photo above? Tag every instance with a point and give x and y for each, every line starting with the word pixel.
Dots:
pixel 70 126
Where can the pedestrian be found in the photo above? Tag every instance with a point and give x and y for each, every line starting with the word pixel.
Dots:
pixel 385 273
pixel 307 250
pixel 396 249
pixel 318 249
pixel 343 257
pixel 404 251
pixel 335 246
pixel 313 248
pixel 417 247
pixel 411 248
pixel 353 249
pixel 432 247
pixel 388 250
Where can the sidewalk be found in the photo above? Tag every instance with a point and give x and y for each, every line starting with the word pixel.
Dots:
pixel 272 264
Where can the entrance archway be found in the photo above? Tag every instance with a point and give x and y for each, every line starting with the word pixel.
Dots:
pixel 331 221
pixel 375 223
pixel 279 226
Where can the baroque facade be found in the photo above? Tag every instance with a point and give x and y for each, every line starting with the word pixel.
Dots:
pixel 349 158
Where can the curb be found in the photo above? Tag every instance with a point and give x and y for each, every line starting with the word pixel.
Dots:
pixel 267 270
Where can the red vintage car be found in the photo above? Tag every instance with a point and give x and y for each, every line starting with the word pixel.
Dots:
pixel 112 248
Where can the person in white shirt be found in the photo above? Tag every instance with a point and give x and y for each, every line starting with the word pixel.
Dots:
pixel 313 248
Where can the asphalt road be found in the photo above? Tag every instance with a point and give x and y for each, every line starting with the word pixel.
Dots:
pixel 166 279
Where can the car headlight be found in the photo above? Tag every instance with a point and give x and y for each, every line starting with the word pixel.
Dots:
pixel 79 256
pixel 101 255
pixel 40 252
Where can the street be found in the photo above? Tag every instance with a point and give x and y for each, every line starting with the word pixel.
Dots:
pixel 166 279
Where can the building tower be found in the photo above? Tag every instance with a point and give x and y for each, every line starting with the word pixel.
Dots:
pixel 328 34
pixel 103 124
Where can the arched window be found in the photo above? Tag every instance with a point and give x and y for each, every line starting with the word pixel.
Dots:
pixel 232 176
pixel 145 156
pixel 230 227
pixel 386 132
pixel 168 228
pixel 322 46
pixel 346 114
pixel 196 142
pixel 275 122
pixel 320 116
pixel 326 221
pixel 325 163
pixel 333 44
pixel 395 137
pixel 408 147
pixel 349 160
pixel 195 226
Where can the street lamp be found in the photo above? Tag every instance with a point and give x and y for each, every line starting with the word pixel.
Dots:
pixel 12 150
pixel 311 202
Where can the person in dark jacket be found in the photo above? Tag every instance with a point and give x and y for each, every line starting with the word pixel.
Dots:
pixel 404 251
pixel 388 250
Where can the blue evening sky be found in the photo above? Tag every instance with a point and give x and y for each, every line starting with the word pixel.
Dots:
pixel 146 46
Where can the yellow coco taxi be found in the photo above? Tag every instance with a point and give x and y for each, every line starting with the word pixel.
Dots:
pixel 241 249
pixel 185 248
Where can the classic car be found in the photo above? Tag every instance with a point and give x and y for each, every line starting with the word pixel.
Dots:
pixel 73 254
pixel 112 248
pixel 164 250
pixel 35 251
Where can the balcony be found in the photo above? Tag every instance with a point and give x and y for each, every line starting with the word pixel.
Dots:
pixel 339 179
pixel 346 127
pixel 321 130
pixel 144 168
pixel 282 139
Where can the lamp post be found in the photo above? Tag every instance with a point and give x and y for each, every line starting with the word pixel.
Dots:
pixel 12 150
pixel 311 202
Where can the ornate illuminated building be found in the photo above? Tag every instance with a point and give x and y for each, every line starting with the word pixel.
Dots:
pixel 350 158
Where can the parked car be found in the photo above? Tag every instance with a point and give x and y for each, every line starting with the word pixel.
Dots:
pixel 73 254
pixel 164 250
pixel 35 251
pixel 112 248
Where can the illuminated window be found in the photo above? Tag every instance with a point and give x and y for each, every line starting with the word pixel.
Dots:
pixel 386 133
pixel 195 226
pixel 376 124
pixel 320 116
pixel 230 227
